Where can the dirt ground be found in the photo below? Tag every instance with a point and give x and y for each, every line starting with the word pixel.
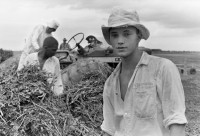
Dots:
pixel 191 84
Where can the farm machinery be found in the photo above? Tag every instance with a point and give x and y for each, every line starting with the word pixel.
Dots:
pixel 91 52
pixel 79 60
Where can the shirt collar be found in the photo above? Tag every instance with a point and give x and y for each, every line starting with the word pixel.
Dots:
pixel 144 60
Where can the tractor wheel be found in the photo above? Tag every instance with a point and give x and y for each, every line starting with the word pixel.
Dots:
pixel 75 72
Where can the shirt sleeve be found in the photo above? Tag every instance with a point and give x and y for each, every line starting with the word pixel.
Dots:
pixel 108 114
pixel 36 33
pixel 58 84
pixel 29 60
pixel 172 95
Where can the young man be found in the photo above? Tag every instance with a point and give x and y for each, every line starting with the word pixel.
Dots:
pixel 144 95
pixel 47 61
pixel 35 40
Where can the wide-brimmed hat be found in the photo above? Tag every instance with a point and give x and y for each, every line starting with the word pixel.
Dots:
pixel 121 17
pixel 53 24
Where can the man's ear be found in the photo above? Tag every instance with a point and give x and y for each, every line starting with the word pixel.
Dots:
pixel 139 35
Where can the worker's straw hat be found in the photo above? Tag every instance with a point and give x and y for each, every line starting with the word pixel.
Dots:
pixel 121 17
pixel 53 24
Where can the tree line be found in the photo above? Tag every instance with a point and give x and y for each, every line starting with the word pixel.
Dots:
pixel 5 54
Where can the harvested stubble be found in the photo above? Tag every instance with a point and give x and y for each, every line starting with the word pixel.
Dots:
pixel 29 108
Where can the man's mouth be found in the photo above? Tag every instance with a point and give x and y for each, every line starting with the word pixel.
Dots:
pixel 121 48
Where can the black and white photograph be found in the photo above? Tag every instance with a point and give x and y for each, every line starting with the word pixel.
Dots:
pixel 100 68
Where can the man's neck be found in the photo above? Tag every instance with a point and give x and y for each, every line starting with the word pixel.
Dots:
pixel 131 61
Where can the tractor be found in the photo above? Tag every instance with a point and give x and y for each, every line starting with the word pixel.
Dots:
pixel 84 59
pixel 93 52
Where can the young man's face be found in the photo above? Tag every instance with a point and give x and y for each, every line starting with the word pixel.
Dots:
pixel 50 30
pixel 124 40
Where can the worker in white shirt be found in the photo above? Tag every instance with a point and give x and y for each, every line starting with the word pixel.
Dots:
pixel 35 40
pixel 48 62
pixel 144 95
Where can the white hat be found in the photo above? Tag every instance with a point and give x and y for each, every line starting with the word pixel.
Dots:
pixel 53 24
pixel 122 17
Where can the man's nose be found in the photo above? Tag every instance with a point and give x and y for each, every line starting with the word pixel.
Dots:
pixel 120 40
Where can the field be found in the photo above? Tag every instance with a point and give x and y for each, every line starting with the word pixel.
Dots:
pixel 188 59
pixel 191 84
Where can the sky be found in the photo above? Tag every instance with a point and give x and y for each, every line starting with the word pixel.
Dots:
pixel 173 24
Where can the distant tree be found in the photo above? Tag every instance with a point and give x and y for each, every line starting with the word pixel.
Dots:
pixel 5 54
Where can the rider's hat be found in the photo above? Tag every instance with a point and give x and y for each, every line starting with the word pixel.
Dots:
pixel 122 17
pixel 53 24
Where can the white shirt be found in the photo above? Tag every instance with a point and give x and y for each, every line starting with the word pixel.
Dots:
pixel 35 39
pixel 51 65
pixel 154 100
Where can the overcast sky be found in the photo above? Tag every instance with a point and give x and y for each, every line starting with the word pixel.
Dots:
pixel 173 24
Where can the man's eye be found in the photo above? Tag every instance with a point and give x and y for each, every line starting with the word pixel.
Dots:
pixel 114 35
pixel 127 34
